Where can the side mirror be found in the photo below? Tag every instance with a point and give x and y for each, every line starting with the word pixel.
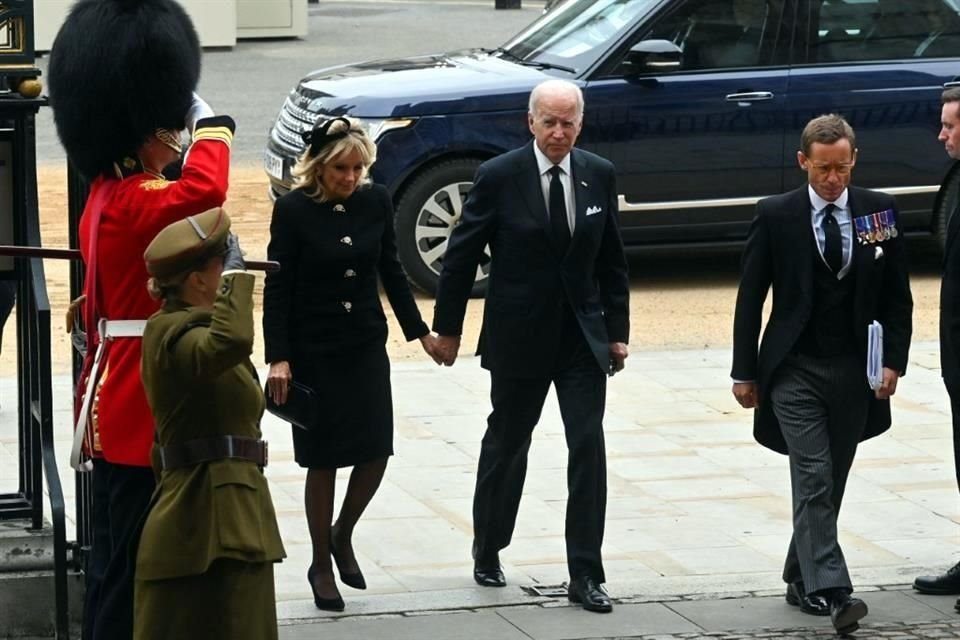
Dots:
pixel 653 55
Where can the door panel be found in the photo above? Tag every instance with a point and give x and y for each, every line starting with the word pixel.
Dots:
pixel 879 63
pixel 710 132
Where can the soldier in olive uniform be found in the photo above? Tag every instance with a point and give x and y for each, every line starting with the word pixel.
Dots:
pixel 205 562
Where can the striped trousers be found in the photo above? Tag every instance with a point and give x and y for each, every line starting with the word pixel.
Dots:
pixel 821 405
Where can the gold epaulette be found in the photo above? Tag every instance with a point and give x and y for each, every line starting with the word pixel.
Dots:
pixel 214 133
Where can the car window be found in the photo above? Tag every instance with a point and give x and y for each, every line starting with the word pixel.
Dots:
pixel 723 34
pixel 576 34
pixel 862 30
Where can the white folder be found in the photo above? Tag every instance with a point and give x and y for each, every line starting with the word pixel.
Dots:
pixel 875 355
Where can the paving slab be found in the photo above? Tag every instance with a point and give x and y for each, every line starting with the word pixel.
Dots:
pixel 568 623
pixel 455 626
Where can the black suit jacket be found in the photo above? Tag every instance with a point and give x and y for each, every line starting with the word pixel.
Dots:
pixel 779 253
pixel 950 305
pixel 530 282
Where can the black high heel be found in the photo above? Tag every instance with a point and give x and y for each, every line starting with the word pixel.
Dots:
pixel 354 580
pixel 325 604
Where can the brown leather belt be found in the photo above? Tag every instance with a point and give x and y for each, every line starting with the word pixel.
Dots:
pixel 194 452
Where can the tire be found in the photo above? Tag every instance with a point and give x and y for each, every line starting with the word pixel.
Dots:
pixel 947 200
pixel 427 211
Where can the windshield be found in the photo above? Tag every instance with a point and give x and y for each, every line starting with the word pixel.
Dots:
pixel 578 32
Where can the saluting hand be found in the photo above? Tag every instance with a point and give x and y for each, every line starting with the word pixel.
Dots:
pixel 278 381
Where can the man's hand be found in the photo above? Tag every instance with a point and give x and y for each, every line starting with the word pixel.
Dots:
pixel 889 386
pixel 618 353
pixel 746 394
pixel 430 347
pixel 447 348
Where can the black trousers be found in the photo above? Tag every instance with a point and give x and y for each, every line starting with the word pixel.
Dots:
pixel 123 493
pixel 517 404
pixel 953 390
pixel 821 404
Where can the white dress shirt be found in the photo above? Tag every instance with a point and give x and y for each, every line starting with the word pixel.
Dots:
pixel 843 215
pixel 544 165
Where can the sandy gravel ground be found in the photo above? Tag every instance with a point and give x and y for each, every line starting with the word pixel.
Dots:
pixel 680 300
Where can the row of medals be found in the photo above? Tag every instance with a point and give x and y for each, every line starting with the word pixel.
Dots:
pixel 876 227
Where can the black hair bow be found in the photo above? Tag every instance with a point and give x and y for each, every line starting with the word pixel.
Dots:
pixel 320 136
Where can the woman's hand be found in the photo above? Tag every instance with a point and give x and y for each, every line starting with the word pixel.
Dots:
pixel 278 381
pixel 431 347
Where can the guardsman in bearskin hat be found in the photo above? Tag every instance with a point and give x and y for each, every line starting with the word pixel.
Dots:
pixel 122 77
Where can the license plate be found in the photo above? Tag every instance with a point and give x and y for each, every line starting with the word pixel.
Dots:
pixel 273 164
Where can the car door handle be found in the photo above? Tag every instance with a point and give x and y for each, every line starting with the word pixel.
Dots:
pixel 750 96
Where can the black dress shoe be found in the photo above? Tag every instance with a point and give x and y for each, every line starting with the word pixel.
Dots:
pixel 814 604
pixel 489 576
pixel 947 584
pixel 846 612
pixel 354 580
pixel 585 591
pixel 326 604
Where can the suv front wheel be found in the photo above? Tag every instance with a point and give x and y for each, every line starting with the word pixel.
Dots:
pixel 428 210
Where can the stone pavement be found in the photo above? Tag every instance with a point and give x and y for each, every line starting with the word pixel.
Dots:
pixel 695 508
pixel 895 613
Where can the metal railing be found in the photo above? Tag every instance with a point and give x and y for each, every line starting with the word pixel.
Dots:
pixel 37 457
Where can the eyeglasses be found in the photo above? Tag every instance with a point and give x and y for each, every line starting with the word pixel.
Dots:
pixel 842 169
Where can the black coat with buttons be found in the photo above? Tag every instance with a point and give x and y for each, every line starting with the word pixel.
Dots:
pixel 325 298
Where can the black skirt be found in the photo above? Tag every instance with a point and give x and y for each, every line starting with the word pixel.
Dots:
pixel 355 423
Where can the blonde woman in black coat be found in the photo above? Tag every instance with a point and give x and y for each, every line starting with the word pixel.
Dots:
pixel 324 327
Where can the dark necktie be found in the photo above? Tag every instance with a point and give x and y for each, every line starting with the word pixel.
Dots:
pixel 558 211
pixel 833 243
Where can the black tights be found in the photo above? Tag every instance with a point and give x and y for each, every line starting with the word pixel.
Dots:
pixel 318 498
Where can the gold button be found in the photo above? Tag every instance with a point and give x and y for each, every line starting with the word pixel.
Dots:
pixel 347 305
pixel 339 208
pixel 347 240
pixel 349 273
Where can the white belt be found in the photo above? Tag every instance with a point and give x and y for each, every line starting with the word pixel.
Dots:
pixel 107 330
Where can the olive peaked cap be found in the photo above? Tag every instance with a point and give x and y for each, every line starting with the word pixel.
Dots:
pixel 183 245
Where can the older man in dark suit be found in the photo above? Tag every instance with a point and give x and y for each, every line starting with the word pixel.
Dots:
pixel 556 313
pixel 834 256
pixel 949 583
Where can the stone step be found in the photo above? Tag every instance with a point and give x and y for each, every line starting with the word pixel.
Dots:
pixel 28 604
pixel 23 548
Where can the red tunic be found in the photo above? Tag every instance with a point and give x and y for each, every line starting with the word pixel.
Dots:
pixel 142 205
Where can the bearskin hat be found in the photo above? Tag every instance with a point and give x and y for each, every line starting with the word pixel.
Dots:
pixel 119 70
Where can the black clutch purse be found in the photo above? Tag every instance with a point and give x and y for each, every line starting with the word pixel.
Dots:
pixel 301 408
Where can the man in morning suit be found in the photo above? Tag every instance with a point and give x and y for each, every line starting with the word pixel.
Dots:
pixel 949 582
pixel 556 312
pixel 834 255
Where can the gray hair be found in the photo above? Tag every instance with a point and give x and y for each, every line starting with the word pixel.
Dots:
pixel 555 86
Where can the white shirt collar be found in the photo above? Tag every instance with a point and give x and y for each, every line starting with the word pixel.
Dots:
pixel 819 203
pixel 544 163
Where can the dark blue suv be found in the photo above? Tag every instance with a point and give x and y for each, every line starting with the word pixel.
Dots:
pixel 699 104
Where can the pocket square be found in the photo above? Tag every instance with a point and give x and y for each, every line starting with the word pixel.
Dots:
pixel 593 210
pixel 878 253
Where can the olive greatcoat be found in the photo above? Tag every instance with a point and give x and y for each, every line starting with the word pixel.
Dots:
pixel 211 524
